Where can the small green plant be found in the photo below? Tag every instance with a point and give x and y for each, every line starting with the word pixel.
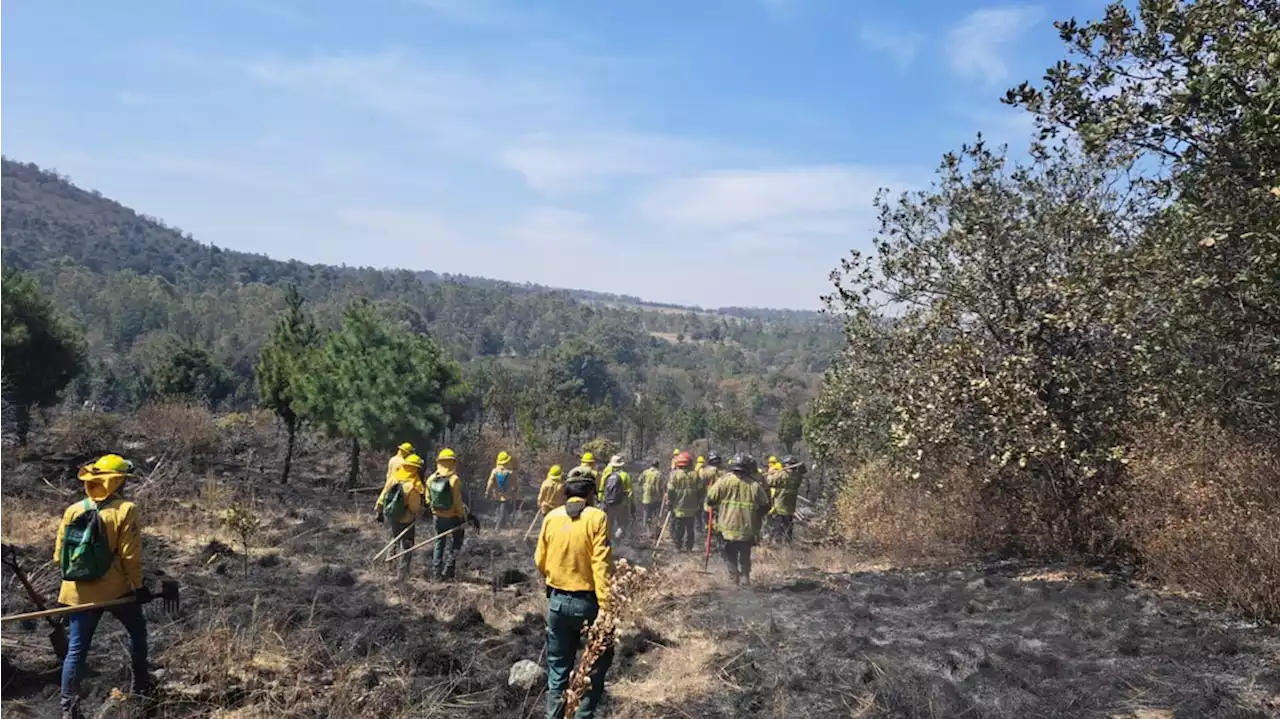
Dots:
pixel 244 524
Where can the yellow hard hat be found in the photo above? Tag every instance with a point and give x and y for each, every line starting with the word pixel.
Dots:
pixel 413 460
pixel 406 448
pixel 108 464
pixel 675 452
pixel 702 460
pixel 446 453
pixel 588 458
pixel 773 460
pixel 555 471
pixel 503 457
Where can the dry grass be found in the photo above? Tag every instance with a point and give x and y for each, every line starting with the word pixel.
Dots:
pixel 676 673
pixel 1205 515
pixel 184 429
pixel 884 513
pixel 84 433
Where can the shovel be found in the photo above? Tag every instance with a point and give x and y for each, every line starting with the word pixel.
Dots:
pixel 425 542
pixel 57 633
pixel 168 597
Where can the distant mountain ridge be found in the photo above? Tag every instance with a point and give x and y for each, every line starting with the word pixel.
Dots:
pixel 47 217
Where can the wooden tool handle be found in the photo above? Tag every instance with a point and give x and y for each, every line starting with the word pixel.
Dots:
pixel 59 611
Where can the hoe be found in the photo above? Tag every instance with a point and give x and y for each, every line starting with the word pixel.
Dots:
pixel 168 596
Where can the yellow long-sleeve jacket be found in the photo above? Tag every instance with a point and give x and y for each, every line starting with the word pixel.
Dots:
pixel 124 536
pixel 457 509
pixel 550 494
pixel 502 493
pixel 396 462
pixel 574 553
pixel 415 493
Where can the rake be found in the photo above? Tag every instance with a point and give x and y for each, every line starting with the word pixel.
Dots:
pixel 168 596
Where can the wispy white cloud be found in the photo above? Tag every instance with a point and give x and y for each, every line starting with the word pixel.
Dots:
pixel 977 47
pixel 491 14
pixel 273 10
pixel 448 103
pixel 555 230
pixel 898 43
pixel 754 209
pixel 565 164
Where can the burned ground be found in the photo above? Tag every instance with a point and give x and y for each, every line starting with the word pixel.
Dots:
pixel 316 630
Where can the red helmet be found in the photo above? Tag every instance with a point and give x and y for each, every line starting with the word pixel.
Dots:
pixel 684 460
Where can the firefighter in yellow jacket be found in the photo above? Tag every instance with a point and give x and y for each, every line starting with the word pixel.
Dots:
pixel 575 557
pixel 399 506
pixel 741 503
pixel 444 490
pixel 397 459
pixel 551 493
pixel 503 487
pixel 102 570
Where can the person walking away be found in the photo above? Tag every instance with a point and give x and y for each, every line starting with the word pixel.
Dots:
pixel 551 493
pixel 503 487
pixel 615 495
pixel 444 488
pixel 575 556
pixel 399 506
pixel 397 459
pixel 740 502
pixel 708 471
pixel 685 495
pixel 98 549
pixel 586 468
pixel 651 496
pixel 783 489
pixel 675 455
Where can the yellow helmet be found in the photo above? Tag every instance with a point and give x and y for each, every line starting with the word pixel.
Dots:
pixel 773 460
pixel 555 472
pixel 588 458
pixel 406 448
pixel 503 457
pixel 675 452
pixel 109 464
pixel 446 454
pixel 413 460
pixel 702 460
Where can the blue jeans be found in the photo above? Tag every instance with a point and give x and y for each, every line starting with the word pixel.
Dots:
pixel 567 614
pixel 82 627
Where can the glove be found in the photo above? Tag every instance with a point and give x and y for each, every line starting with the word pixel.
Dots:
pixel 142 595
pixel 474 521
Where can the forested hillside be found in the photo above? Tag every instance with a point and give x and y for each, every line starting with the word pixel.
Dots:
pixel 148 296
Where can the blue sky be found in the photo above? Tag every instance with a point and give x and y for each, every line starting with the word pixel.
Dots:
pixel 712 152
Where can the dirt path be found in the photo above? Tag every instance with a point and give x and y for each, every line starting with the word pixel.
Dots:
pixel 994 642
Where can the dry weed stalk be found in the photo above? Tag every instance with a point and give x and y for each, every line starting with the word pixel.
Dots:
pixel 628 582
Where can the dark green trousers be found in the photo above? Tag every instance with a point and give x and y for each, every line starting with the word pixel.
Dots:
pixel 444 556
pixel 567 614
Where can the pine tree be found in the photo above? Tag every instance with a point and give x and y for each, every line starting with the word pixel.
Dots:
pixel 281 364
pixel 42 353
pixel 377 384
pixel 790 428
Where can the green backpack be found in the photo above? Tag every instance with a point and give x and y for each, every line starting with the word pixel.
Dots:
pixel 86 550
pixel 440 493
pixel 395 503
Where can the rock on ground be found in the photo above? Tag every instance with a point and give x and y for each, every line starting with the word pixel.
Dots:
pixel 526 674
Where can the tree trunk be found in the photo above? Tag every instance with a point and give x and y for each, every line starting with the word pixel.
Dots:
pixel 22 422
pixel 354 473
pixel 292 429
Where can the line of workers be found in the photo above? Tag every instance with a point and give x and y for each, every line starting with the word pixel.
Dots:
pixel 98 546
